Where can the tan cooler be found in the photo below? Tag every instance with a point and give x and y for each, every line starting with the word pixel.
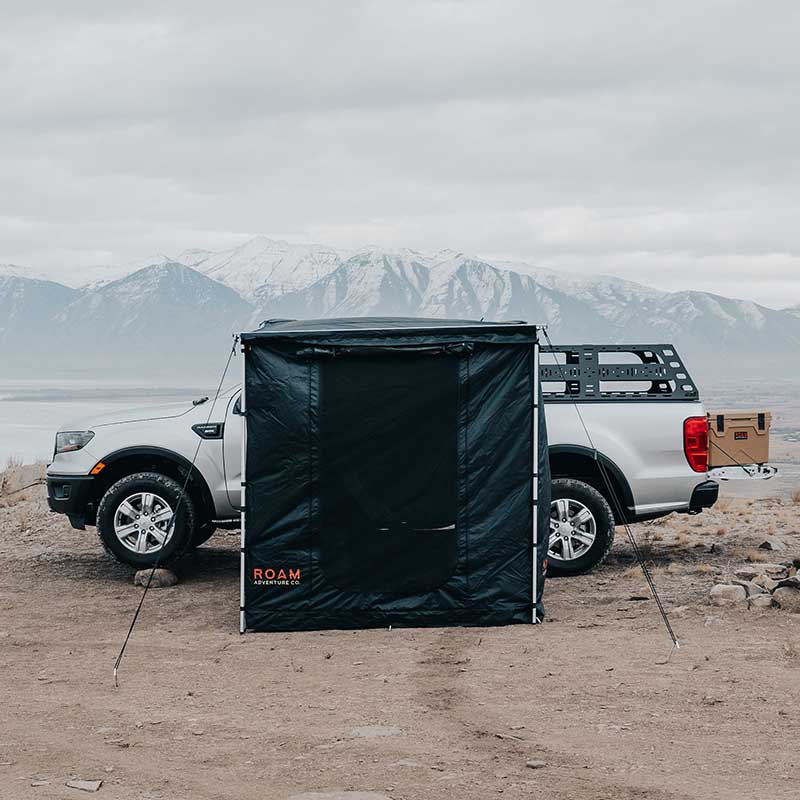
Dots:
pixel 738 437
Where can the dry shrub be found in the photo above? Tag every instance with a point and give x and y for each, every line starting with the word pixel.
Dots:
pixel 791 650
pixel 796 496
pixel 24 518
pixel 658 537
pixel 722 531
pixel 703 569
pixel 9 490
pixel 8 483
pixel 756 555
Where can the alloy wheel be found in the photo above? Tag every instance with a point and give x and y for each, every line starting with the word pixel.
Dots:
pixel 573 529
pixel 142 522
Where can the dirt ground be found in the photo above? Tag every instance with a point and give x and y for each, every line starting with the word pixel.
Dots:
pixel 202 712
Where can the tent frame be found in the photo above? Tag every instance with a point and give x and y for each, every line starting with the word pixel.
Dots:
pixel 535 472
pixel 535 467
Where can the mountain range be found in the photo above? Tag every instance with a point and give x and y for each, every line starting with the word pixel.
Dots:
pixel 170 316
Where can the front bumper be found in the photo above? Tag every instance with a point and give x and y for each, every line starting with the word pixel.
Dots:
pixel 74 496
pixel 704 496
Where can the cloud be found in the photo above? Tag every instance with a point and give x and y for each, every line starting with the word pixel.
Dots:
pixel 655 144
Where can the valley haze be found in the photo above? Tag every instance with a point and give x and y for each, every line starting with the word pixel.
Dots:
pixel 171 317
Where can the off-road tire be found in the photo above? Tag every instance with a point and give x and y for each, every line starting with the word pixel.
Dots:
pixel 604 518
pixel 170 490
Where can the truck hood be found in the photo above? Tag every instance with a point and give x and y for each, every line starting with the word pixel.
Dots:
pixel 152 413
pixel 117 417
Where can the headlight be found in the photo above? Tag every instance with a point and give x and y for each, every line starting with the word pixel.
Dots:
pixel 68 441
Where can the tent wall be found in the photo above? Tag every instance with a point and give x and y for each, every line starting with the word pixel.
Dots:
pixel 391 482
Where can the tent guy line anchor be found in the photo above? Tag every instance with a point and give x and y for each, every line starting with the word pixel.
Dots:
pixel 619 508
pixel 40 482
pixel 171 524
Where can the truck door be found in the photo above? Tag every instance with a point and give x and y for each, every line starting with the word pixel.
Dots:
pixel 232 450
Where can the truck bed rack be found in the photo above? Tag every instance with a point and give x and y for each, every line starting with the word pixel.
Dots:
pixel 584 373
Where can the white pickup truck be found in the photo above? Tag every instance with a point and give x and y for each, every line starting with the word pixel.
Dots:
pixel 644 423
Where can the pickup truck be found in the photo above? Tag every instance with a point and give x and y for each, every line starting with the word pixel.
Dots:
pixel 627 432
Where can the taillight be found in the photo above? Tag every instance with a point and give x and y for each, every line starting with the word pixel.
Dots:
pixel 695 443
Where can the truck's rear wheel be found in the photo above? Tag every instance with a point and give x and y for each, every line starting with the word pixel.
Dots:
pixel 581 528
pixel 135 520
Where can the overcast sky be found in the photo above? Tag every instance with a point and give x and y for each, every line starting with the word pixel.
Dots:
pixel 655 141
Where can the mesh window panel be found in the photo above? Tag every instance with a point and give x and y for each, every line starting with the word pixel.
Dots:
pixel 388 481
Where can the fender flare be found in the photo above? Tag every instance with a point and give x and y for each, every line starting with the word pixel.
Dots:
pixel 614 472
pixel 170 455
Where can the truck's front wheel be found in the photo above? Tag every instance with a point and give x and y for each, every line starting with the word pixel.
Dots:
pixel 581 528
pixel 135 520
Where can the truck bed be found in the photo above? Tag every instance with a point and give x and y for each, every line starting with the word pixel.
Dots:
pixel 633 399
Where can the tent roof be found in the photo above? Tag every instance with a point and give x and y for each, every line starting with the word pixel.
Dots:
pixel 400 326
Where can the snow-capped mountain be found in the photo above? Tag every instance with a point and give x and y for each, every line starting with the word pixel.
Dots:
pixel 161 298
pixel 159 319
pixel 97 275
pixel 170 315
pixel 373 282
pixel 27 304
pixel 263 268
pixel 13 271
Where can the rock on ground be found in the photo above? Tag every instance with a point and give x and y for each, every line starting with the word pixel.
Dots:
pixel 724 594
pixel 761 601
pixel 765 582
pixel 161 578
pixel 84 786
pixel 788 599
pixel 749 587
pixel 746 573
pixel 772 544
pixel 792 581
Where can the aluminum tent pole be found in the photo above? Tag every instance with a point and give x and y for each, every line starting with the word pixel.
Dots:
pixel 535 470
pixel 243 495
